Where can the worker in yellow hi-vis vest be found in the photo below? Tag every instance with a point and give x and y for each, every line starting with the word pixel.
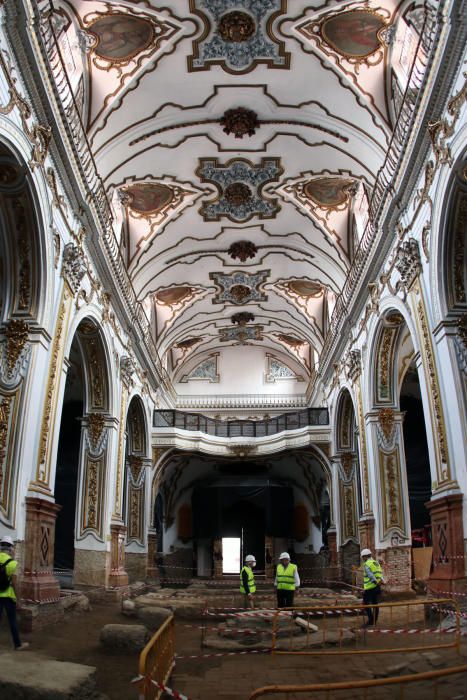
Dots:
pixel 286 582
pixel 372 580
pixel 247 582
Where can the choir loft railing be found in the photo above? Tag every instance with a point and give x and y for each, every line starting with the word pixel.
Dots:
pixel 241 428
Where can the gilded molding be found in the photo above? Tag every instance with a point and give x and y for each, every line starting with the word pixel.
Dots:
pixel 391 492
pixel 53 382
pixel 117 514
pixel 363 450
pixel 93 495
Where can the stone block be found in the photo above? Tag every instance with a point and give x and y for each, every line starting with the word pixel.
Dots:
pixel 131 637
pixel 33 677
pixel 129 608
pixel 153 617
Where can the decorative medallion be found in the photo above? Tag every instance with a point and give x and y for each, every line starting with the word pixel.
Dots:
pixel 240 184
pixel 121 37
pixel 242 250
pixel 172 295
pixel 241 334
pixel 238 39
pixel 330 192
pixel 188 343
pixel 305 288
pixel 291 340
pixel 239 287
pixel 73 266
pixel 237 194
pixel 236 26
pixel 242 318
pixel 240 122
pixel 147 198
pixel 355 34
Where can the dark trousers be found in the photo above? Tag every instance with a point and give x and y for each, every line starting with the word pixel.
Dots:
pixel 284 598
pixel 10 606
pixel 371 597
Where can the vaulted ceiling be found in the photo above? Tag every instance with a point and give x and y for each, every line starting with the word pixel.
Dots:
pixel 238 142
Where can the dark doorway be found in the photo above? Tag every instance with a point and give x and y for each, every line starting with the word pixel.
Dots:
pixel 66 479
pixel 246 520
pixel 416 455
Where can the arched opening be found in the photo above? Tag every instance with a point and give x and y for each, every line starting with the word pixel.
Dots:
pixel 266 505
pixel 417 459
pixel 81 467
pixel 68 458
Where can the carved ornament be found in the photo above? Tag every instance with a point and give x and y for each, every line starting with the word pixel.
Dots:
pixel 73 266
pixel 354 364
pixel 408 262
pixel 240 122
pixel 242 250
pixel 386 422
pixel 16 332
pixel 127 370
pixel 96 423
pixel 462 329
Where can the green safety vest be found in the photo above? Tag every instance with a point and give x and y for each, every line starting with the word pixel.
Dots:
pixel 251 580
pixel 375 568
pixel 285 577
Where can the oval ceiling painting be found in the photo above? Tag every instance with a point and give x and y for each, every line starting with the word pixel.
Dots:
pixel 121 37
pixel 188 343
pixel 173 295
pixel 354 34
pixel 328 191
pixel 291 340
pixel 304 288
pixel 148 198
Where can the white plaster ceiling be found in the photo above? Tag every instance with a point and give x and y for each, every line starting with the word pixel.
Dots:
pixel 151 118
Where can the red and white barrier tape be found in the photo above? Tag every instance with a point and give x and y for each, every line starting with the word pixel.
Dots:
pixel 223 653
pixel 164 688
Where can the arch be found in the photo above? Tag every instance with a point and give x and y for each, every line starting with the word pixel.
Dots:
pixel 451 247
pixel 134 481
pixel 23 245
pixel 81 475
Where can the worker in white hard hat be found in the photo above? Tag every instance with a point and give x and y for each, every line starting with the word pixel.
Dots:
pixel 247 582
pixel 372 579
pixel 286 582
pixel 8 589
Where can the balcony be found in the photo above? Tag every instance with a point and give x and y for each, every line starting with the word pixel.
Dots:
pixel 197 422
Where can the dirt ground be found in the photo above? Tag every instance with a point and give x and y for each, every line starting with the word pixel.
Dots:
pixel 232 677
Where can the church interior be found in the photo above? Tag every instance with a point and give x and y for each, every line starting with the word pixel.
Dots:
pixel 233 316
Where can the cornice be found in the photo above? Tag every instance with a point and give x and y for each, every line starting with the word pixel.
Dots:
pixel 233 447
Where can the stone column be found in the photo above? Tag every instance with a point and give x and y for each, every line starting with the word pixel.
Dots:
pixel 448 543
pixel 151 570
pixel 366 533
pixel 332 545
pixel 269 555
pixel 39 584
pixel 217 555
pixel 118 576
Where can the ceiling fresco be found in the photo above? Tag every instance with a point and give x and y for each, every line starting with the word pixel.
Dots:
pixel 238 142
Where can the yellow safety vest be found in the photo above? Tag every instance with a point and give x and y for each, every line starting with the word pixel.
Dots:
pixel 285 577
pixel 251 580
pixel 375 568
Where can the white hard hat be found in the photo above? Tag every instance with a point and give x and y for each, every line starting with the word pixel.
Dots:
pixel 250 557
pixel 6 539
pixel 365 553
pixel 284 555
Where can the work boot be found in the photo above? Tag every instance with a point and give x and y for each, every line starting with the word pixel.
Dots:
pixel 22 647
